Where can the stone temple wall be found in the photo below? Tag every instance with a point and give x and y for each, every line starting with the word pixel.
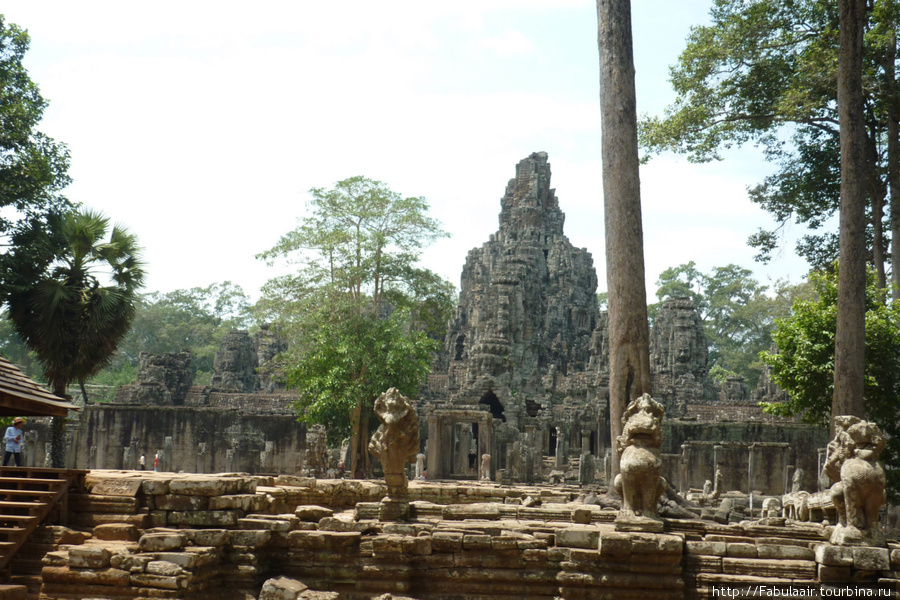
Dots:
pixel 193 440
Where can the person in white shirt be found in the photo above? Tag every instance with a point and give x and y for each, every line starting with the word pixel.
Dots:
pixel 14 441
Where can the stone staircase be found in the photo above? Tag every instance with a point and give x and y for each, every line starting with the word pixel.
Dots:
pixel 28 496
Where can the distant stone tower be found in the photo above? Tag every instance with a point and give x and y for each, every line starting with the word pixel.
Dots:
pixel 678 356
pixel 527 305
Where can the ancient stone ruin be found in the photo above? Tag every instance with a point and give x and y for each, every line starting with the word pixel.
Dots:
pixel 161 380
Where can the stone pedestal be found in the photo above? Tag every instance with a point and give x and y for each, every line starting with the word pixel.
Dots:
pixel 390 509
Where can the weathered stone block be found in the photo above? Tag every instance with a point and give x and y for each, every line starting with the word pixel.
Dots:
pixel 181 502
pixel 416 545
pixel 133 563
pixel 503 544
pixel 117 532
pixel 614 544
pixel 834 556
pixel 13 592
pixel 447 541
pixel 833 574
pixel 155 487
pixel 895 559
pixel 209 537
pixel 103 577
pixel 779 552
pixel 476 541
pixel 583 516
pixel 580 537
pixel 335 524
pixel 159 518
pixel 179 582
pixel 199 487
pixel 866 558
pixel 89 557
pixel 706 548
pixel 204 518
pixel 313 513
pixel 160 542
pixel 282 588
pixel 163 567
pixel 56 558
pixel 788 569
pixel 306 539
pixel 250 538
pixel 740 550
pixel 269 524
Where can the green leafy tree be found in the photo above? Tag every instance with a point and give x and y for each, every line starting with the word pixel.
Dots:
pixel 195 319
pixel 74 317
pixel 766 72
pixel 33 170
pixel 359 315
pixel 804 363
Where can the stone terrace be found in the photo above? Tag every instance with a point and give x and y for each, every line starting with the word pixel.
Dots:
pixel 160 535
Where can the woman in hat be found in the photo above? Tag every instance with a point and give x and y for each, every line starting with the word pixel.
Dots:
pixel 13 439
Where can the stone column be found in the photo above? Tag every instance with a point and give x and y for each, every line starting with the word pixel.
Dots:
pixel 420 466
pixel 433 447
pixel 718 457
pixel 586 468
pixel 751 464
pixel 685 462
pixel 785 476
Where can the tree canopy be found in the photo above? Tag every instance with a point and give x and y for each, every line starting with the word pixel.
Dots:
pixel 359 314
pixel 765 72
pixel 803 365
pixel 33 170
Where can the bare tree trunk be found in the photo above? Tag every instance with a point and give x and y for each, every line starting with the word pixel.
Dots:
pixel 893 167
pixel 359 443
pixel 850 339
pixel 58 431
pixel 629 345
pixel 878 196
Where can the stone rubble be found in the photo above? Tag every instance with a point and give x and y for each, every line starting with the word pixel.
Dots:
pixel 252 537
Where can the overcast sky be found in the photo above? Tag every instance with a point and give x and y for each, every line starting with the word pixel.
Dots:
pixel 201 125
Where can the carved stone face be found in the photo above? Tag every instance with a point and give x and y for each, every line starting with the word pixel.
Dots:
pixel 642 424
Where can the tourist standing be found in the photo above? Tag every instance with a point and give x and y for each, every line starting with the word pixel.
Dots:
pixel 156 462
pixel 142 463
pixel 14 441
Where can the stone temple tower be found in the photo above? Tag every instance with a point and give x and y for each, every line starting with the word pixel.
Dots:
pixel 527 305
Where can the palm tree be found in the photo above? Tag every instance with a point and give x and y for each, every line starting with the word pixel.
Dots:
pixel 74 317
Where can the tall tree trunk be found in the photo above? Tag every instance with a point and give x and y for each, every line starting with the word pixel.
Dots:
pixel 893 150
pixel 359 442
pixel 850 338
pixel 878 195
pixel 629 335
pixel 58 432
pixel 84 396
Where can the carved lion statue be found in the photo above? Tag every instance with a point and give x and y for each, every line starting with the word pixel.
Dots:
pixel 639 482
pixel 858 493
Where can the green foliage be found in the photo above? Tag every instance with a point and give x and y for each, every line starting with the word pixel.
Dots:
pixel 75 315
pixel 32 170
pixel 195 319
pixel 737 313
pixel 804 363
pixel 360 315
pixel 765 72
pixel 357 357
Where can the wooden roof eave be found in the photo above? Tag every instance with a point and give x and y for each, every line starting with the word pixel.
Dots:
pixel 23 405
